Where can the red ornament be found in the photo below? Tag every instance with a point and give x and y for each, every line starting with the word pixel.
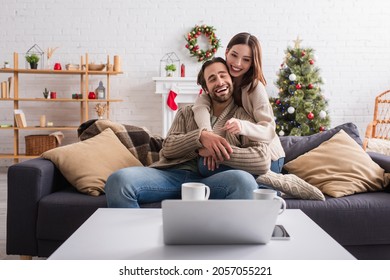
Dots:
pixel 298 86
pixel 311 61
pixel 309 86
pixel 310 116
pixel 322 128
pixel 303 53
pixel 277 102
pixel 91 95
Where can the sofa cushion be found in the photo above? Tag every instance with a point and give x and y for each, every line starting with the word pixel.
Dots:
pixel 62 212
pixel 339 167
pixel 360 219
pixel 294 146
pixel 87 164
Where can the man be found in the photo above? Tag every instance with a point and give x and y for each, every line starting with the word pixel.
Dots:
pixel 129 187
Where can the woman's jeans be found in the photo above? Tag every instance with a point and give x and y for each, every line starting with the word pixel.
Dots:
pixel 276 166
pixel 129 187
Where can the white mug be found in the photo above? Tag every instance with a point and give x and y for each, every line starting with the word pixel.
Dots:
pixel 194 191
pixel 269 194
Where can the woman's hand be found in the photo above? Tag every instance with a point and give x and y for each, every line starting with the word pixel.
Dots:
pixel 211 163
pixel 233 126
pixel 208 159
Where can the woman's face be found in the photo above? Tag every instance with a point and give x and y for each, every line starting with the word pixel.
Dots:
pixel 239 60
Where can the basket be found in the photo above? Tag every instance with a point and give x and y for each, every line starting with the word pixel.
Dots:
pixel 37 144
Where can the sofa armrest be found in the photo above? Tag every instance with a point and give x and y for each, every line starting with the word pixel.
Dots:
pixel 28 182
pixel 381 159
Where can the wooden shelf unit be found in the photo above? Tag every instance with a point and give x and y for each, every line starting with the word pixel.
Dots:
pixel 84 74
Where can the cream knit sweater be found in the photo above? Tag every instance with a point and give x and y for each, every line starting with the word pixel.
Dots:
pixel 183 141
pixel 256 105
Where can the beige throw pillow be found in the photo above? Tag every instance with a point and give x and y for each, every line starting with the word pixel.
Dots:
pixel 87 164
pixel 291 185
pixel 339 167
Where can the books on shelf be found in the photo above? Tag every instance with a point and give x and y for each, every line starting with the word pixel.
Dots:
pixel 6 88
pixel 20 118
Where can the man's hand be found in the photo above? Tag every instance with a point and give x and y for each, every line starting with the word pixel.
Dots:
pixel 233 126
pixel 216 145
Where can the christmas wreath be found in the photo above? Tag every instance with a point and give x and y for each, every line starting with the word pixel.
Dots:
pixel 192 42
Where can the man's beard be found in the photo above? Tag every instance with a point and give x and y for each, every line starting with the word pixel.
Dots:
pixel 223 98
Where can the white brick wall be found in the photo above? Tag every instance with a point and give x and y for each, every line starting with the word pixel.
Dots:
pixel 351 39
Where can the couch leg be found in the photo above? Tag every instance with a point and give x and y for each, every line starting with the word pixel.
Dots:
pixel 25 257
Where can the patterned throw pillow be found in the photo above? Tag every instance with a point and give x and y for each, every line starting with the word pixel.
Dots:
pixel 291 185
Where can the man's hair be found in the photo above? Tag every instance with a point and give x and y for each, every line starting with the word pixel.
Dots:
pixel 201 80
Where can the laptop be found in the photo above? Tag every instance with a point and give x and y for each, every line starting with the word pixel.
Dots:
pixel 212 222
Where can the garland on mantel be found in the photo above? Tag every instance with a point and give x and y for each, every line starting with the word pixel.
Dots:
pixel 192 42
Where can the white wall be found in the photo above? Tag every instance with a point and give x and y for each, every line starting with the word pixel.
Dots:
pixel 351 39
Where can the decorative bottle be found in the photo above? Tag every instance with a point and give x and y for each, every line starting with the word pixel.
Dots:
pixel 183 70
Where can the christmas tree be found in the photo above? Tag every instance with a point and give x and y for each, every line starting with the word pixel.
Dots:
pixel 300 108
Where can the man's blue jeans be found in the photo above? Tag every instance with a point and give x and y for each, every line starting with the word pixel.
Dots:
pixel 129 187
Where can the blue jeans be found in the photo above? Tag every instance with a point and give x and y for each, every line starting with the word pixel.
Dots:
pixel 129 187
pixel 276 166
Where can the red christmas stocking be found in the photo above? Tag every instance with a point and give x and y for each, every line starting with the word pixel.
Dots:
pixel 171 100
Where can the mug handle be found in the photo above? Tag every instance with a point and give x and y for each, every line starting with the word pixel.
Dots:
pixel 207 192
pixel 283 204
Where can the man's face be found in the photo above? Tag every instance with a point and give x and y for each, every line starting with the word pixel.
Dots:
pixel 218 81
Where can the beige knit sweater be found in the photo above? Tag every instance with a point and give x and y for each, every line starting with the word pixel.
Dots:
pixel 183 141
pixel 257 105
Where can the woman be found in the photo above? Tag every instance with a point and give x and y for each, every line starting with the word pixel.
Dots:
pixel 244 59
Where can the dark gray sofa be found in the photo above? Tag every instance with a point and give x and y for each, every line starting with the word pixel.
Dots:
pixel 44 209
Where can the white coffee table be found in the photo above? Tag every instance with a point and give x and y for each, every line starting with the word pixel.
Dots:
pixel 114 234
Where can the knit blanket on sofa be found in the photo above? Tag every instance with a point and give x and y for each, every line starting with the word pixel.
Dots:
pixel 137 140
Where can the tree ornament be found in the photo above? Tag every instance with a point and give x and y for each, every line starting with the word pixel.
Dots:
pixel 310 116
pixel 192 42
pixel 277 102
pixel 281 133
pixel 292 77
pixel 309 86
pixel 298 86
pixel 303 53
pixel 322 128
pixel 311 61
pixel 322 114
pixel 291 110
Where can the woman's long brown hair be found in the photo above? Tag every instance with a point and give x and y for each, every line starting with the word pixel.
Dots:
pixel 255 72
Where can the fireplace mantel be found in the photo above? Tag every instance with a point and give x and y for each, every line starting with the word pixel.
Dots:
pixel 187 90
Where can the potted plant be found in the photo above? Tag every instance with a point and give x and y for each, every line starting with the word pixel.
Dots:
pixel 46 94
pixel 170 68
pixel 33 60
